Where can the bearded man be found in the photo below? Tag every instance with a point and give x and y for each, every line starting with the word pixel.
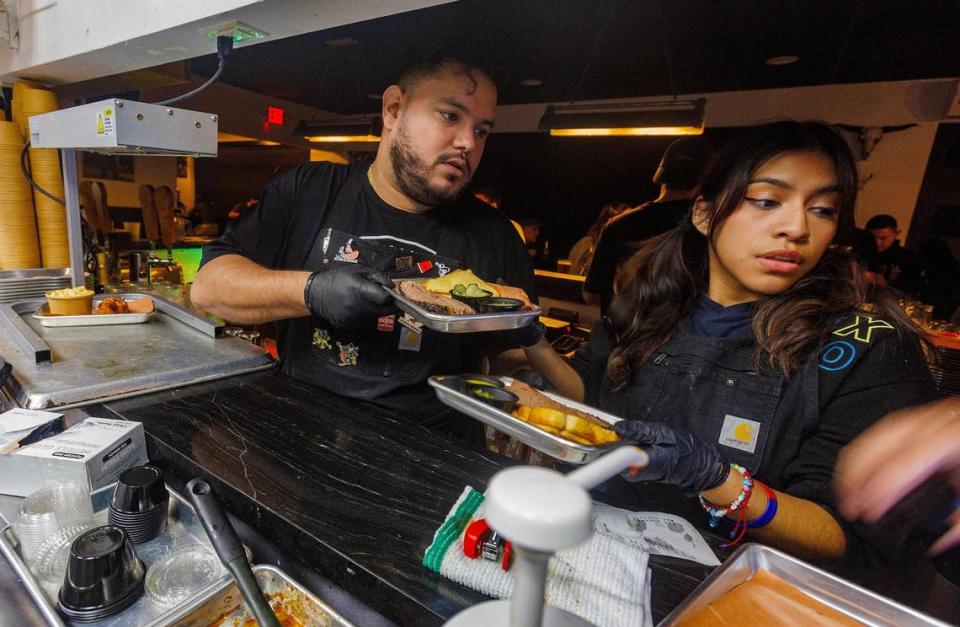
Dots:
pixel 324 240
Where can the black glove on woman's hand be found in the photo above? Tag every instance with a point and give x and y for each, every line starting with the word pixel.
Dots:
pixel 676 457
pixel 346 298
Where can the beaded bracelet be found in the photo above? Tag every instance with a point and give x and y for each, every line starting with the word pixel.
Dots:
pixel 718 513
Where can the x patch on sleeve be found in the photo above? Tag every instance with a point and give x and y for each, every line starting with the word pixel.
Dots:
pixel 862 328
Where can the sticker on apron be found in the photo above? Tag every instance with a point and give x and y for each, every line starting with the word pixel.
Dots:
pixel 442 269
pixel 411 323
pixel 349 354
pixel 409 341
pixel 739 433
pixel 386 323
pixel 402 264
pixel 347 253
pixel 321 339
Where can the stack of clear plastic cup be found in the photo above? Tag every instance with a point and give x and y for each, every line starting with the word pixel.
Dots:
pixel 51 558
pixel 45 513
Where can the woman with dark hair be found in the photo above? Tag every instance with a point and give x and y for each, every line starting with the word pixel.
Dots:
pixel 581 254
pixel 739 349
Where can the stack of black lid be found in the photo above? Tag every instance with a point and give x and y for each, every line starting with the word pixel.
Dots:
pixel 139 504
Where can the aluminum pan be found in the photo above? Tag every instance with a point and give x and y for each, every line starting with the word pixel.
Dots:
pixel 463 324
pixel 223 603
pixel 91 320
pixel 841 595
pixel 553 445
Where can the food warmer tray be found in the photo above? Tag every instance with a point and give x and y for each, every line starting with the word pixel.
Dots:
pixel 463 324
pixel 223 605
pixel 847 598
pixel 183 527
pixel 553 445
pixel 72 366
pixel 94 320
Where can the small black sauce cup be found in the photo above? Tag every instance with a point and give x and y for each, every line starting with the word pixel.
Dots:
pixel 498 397
pixel 103 575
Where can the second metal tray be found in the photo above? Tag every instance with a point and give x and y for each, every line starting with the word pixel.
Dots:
pixel 92 320
pixel 223 606
pixel 553 445
pixel 464 324
pixel 843 596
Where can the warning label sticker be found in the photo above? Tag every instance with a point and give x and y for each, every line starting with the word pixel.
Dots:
pixel 105 122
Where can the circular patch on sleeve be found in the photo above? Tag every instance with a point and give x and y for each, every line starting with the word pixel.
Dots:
pixel 836 356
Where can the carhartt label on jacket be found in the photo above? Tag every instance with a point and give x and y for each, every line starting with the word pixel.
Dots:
pixel 739 433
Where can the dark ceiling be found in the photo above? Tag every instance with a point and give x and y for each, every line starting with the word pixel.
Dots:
pixel 588 49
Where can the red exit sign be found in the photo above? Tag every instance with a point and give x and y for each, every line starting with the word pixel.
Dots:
pixel 275 116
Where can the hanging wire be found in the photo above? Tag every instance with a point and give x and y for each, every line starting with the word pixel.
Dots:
pixel 27 175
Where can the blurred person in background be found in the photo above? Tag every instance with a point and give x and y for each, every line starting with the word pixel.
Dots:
pixel 581 254
pixel 890 263
pixel 678 175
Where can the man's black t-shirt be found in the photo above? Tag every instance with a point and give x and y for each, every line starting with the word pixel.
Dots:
pixel 899 266
pixel 283 228
pixel 621 236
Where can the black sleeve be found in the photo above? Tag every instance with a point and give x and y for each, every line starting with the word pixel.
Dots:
pixel 890 374
pixel 604 265
pixel 262 234
pixel 590 362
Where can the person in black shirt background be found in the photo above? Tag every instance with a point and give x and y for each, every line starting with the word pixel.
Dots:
pixel 325 239
pixel 891 263
pixel 678 175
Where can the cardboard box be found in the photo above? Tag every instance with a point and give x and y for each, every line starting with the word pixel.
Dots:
pixel 93 452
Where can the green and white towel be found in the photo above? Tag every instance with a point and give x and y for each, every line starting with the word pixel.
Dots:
pixel 604 580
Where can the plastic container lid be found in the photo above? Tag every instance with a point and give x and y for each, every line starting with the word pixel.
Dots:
pixel 181 573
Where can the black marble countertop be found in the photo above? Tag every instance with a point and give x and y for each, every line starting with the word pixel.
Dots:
pixel 356 495
pixel 338 484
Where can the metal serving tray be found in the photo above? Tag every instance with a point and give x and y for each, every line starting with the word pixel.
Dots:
pixel 847 598
pixel 93 320
pixel 463 324
pixel 183 527
pixel 223 605
pixel 553 445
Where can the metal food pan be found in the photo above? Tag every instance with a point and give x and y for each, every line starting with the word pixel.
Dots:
pixel 224 605
pixel 183 527
pixel 463 324
pixel 839 594
pixel 553 445
pixel 93 320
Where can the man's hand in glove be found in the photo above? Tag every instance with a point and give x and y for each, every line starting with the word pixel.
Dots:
pixel 346 298
pixel 676 457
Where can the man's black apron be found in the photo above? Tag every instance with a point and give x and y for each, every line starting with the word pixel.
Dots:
pixel 379 361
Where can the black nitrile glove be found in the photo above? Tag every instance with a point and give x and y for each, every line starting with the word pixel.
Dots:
pixel 346 298
pixel 528 335
pixel 676 457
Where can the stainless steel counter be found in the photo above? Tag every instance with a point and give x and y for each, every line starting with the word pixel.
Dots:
pixel 97 363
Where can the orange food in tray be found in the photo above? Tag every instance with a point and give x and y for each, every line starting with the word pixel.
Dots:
pixel 571 424
pixel 768 600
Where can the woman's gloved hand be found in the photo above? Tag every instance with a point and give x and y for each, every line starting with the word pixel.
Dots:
pixel 676 456
pixel 347 299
